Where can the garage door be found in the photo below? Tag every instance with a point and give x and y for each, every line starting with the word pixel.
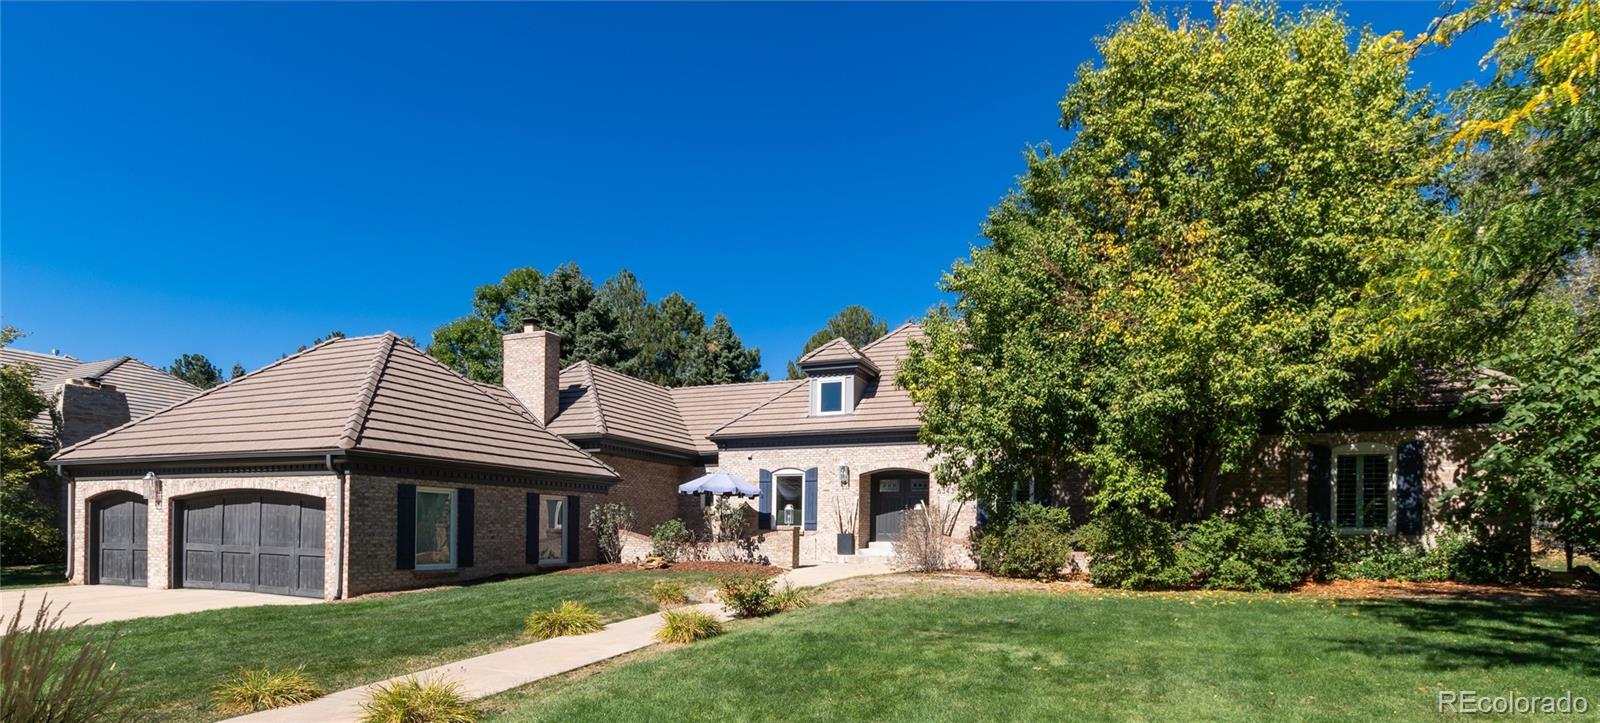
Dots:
pixel 119 530
pixel 264 542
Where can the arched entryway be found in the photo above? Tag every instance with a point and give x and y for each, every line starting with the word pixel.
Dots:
pixel 890 494
pixel 119 552
pixel 250 540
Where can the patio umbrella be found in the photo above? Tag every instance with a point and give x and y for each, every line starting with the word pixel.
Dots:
pixel 719 483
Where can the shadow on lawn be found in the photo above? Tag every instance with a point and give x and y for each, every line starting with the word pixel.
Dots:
pixel 1563 634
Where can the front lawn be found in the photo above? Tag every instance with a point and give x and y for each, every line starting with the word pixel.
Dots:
pixel 173 662
pixel 1109 656
pixel 33 575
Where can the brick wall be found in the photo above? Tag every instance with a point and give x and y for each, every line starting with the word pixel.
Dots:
pixel 650 489
pixel 500 533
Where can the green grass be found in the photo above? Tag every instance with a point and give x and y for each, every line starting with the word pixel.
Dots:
pixel 32 575
pixel 173 662
pixel 1033 656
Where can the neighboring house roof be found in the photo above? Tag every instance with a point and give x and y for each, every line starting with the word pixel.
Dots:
pixel 375 394
pixel 599 402
pixel 884 406
pixel 837 352
pixel 148 389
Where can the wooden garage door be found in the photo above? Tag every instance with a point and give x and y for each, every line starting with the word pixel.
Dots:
pixel 264 542
pixel 121 554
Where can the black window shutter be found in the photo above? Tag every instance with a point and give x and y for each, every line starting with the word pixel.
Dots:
pixel 809 514
pixel 405 527
pixel 764 504
pixel 530 548
pixel 1408 488
pixel 572 528
pixel 1319 483
pixel 464 526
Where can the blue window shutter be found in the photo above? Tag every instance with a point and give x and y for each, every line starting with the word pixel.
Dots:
pixel 764 504
pixel 1408 488
pixel 810 501
pixel 405 527
pixel 464 526
pixel 1319 483
pixel 572 528
pixel 530 546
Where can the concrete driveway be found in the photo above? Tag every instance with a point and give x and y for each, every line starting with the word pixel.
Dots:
pixel 106 603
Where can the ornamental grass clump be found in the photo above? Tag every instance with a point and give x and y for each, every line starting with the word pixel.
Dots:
pixel 248 691
pixel 669 593
pixel 687 626
pixel 414 701
pixel 568 618
pixel 52 672
pixel 791 597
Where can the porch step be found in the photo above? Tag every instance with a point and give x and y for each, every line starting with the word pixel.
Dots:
pixel 876 549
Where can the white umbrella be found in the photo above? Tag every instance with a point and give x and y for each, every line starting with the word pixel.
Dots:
pixel 719 483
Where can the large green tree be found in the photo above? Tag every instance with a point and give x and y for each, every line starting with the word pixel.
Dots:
pixel 28 533
pixel 853 323
pixel 614 325
pixel 197 370
pixel 1192 267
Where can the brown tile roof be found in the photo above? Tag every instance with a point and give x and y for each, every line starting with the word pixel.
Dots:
pixel 375 394
pixel 703 409
pixel 601 402
pixel 884 406
pixel 148 389
pixel 838 351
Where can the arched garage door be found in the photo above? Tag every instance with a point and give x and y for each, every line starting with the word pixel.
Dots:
pixel 258 541
pixel 117 532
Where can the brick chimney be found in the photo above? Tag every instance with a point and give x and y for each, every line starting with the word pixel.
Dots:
pixel 87 407
pixel 531 368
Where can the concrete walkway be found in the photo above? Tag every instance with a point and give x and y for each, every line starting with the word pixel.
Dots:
pixel 108 603
pixel 496 672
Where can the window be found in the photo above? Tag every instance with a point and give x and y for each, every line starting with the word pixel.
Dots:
pixel 831 395
pixel 436 529
pixel 552 530
pixel 788 499
pixel 1363 488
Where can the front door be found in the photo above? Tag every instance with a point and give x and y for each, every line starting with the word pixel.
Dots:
pixel 120 550
pixel 891 498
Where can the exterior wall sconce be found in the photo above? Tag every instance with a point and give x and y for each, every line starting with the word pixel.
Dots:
pixel 844 474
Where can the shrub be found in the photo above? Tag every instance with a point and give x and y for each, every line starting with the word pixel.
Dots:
pixel 51 672
pixel 1253 550
pixel 1128 549
pixel 1386 557
pixel 669 540
pixel 925 543
pixel 748 596
pixel 568 618
pixel 668 593
pixel 687 626
pixel 414 701
pixel 608 521
pixel 791 597
pixel 248 691
pixel 1032 550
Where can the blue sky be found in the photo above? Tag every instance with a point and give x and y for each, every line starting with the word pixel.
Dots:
pixel 236 179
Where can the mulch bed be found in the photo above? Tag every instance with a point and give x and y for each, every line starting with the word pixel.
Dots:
pixel 1391 589
pixel 723 568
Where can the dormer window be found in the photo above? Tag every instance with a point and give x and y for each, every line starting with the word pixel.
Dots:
pixel 831 395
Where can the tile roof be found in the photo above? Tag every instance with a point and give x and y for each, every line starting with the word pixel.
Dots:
pixel 148 389
pixel 601 402
pixel 375 394
pixel 884 406
pixel 838 351
pixel 706 408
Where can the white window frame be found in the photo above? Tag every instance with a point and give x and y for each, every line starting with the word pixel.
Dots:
pixel 455 528
pixel 1362 449
pixel 566 554
pixel 804 500
pixel 847 396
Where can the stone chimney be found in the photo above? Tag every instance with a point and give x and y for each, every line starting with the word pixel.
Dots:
pixel 87 407
pixel 531 369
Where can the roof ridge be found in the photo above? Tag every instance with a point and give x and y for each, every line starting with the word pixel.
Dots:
pixel 729 384
pixel 833 342
pixel 759 405
pixel 203 393
pixel 67 357
pixel 119 362
pixel 892 332
pixel 369 388
pixel 599 408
